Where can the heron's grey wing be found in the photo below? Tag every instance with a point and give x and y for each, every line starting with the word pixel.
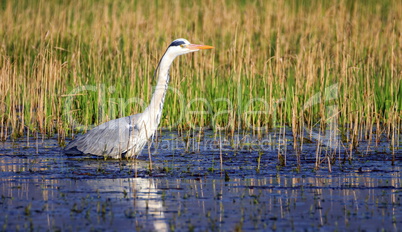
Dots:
pixel 108 139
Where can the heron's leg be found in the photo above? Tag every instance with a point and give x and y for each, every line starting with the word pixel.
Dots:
pixel 130 154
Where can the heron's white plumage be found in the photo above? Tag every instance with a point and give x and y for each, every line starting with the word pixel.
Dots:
pixel 127 136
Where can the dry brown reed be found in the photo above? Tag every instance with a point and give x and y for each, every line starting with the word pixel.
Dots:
pixel 271 59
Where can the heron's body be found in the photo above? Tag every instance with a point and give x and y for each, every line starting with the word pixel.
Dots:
pixel 127 136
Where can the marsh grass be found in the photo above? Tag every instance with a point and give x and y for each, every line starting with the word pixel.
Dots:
pixel 68 65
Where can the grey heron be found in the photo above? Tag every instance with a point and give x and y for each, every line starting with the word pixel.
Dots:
pixel 126 137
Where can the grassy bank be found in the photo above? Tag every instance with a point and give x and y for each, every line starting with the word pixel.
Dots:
pixel 72 64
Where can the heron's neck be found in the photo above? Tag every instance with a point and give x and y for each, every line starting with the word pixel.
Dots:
pixel 154 111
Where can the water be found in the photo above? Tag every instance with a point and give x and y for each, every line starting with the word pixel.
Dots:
pixel 190 189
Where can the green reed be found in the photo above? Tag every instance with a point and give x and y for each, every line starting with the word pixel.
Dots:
pixel 65 66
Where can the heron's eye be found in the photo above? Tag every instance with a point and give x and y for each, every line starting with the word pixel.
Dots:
pixel 182 45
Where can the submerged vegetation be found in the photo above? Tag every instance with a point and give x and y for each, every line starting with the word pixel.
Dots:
pixel 322 65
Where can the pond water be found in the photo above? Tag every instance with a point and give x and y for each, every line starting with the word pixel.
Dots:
pixel 198 183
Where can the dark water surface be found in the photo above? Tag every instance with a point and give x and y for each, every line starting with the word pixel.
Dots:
pixel 198 183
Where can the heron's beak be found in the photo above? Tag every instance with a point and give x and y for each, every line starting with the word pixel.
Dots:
pixel 198 46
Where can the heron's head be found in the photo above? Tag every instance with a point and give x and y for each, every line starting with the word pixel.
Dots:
pixel 182 46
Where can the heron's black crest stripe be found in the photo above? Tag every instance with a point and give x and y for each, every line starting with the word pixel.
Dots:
pixel 176 43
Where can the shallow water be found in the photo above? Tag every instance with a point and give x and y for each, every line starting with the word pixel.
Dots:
pixel 190 189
